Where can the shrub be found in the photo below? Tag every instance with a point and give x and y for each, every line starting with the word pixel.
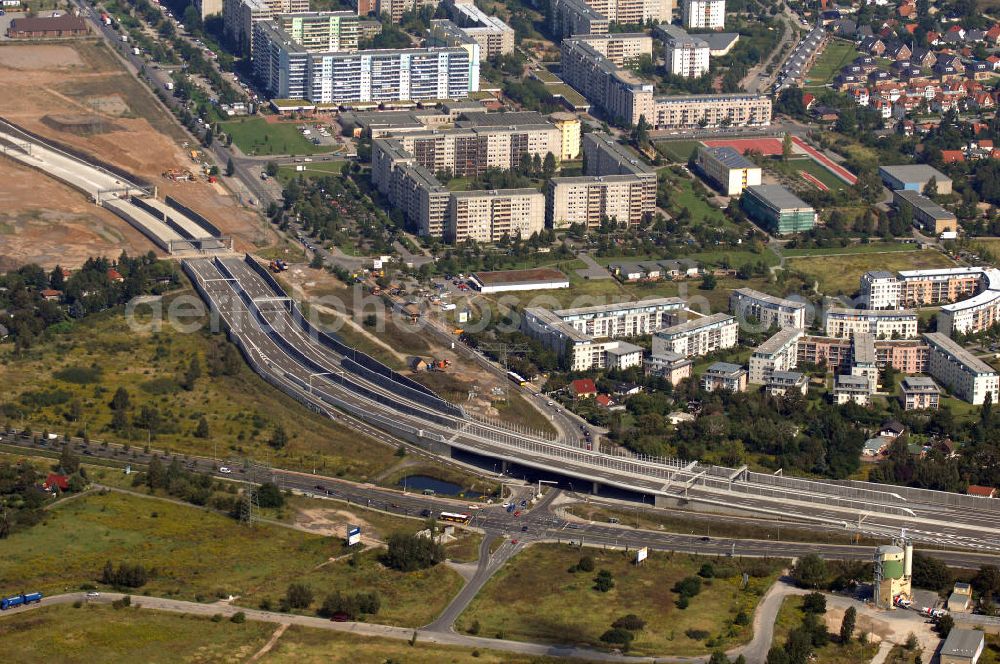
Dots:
pixel 77 604
pixel 742 619
pixel 630 622
pixel 682 602
pixel 408 553
pixel 217 617
pixel 298 596
pixel 814 603
pixel 617 636
pixel 239 618
pixel 586 564
pixel 79 375
pixel 604 581
pixel 474 627
pixel 688 587
pixel 696 634
pixel 707 571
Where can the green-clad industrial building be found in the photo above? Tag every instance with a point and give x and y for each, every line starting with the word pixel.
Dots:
pixel 777 209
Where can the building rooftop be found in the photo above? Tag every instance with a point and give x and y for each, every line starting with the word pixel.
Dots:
pixel 670 357
pixel 624 154
pixel 863 349
pixel 770 299
pixel 871 313
pixel 479 193
pixel 729 157
pixel 919 384
pixel 778 196
pixel 719 41
pixel 727 369
pixel 778 341
pixel 926 205
pixel 962 643
pixel 668 302
pixel 914 173
pixel 624 348
pixel 950 347
pixel 850 382
pixel 879 274
pixel 45 23
pixel 506 119
pixel 942 273
pixel 696 324
pixel 785 377
pixel 679 36
pixel 537 275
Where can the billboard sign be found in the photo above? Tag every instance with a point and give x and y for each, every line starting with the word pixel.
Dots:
pixel 641 555
pixel 353 535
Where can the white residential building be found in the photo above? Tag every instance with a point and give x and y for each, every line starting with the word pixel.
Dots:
pixel 684 55
pixel 697 336
pixel 730 171
pixel 964 374
pixel 705 14
pixel 724 376
pixel 767 310
pixel 779 353
pixel 848 388
pixel 882 324
pixel 880 289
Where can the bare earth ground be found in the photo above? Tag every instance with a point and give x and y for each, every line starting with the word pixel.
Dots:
pixel 49 223
pixel 47 86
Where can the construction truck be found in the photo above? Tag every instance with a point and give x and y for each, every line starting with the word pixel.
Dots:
pixel 278 265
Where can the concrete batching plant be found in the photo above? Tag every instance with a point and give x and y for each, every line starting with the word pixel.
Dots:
pixel 893 572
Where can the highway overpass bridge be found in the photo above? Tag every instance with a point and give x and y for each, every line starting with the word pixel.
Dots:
pixel 291 353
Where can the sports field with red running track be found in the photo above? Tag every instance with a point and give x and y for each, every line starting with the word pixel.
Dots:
pixel 766 146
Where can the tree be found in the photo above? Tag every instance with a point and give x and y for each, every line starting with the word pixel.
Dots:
pixel 192 374
pixel 718 657
pixel 986 582
pixel 931 573
pixel 208 137
pixel 549 165
pixel 120 401
pixel 278 438
pixel 230 168
pixel 201 431
pixel 317 262
pixel 810 571
pixel 408 553
pixel 298 596
pixel 269 495
pixel 586 564
pixel 847 626
pixel 814 603
pixel 931 189
pixel 786 147
pixel 944 626
pixel 155 475
pixel 56 279
pixel 621 637
pixel 271 168
pixel 708 282
pixel 69 462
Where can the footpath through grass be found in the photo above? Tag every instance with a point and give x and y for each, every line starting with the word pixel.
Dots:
pixel 98 633
pixel 830 61
pixel 536 597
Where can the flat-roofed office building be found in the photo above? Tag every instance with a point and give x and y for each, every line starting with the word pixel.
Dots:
pixel 777 209
pixel 730 171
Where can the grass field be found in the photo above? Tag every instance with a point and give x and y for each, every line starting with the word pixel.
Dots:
pixel 242 410
pixel 256 136
pixel 536 598
pixel 841 274
pixel 678 151
pixel 200 555
pixel 102 634
pixel 870 248
pixel 817 171
pixel 836 55
pixel 312 170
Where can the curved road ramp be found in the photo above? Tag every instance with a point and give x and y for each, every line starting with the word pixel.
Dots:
pixel 170 226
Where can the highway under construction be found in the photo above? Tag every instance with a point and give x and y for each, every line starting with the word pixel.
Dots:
pixel 292 354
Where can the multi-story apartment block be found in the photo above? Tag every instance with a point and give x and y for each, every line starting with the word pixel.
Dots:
pixel 750 305
pixel 923 287
pixel 422 199
pixel 882 324
pixel 585 17
pixel 620 48
pixel 569 127
pixel 920 393
pixel 779 353
pixel 879 290
pixel 669 366
pixel 850 388
pixel 589 200
pixel 964 374
pixel 494 37
pixel 976 314
pixel 731 171
pixel 625 98
pixel 697 336
pixel 705 14
pixel 606 156
pixel 724 376
pixel 239 17
pixel 684 55
pixel 489 216
pixel 286 70
pixel 589 337
pixel 393 10
pixel 320 32
pixel 906 356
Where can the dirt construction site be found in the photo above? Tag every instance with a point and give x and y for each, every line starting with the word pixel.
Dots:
pixel 78 95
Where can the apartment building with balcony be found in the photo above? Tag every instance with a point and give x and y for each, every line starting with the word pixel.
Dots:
pixel 697 336
pixel 684 55
pixel 883 324
pixel 754 307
